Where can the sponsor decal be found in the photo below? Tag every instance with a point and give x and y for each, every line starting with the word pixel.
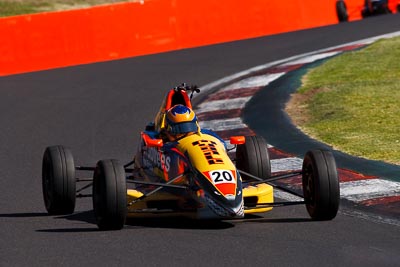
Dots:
pixel 221 176
pixel 224 180
pixel 210 151
pixel 155 158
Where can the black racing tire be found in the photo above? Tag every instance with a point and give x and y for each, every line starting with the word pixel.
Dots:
pixel 398 8
pixel 58 180
pixel 365 13
pixel 341 11
pixel 320 185
pixel 253 157
pixel 387 11
pixel 385 8
pixel 109 195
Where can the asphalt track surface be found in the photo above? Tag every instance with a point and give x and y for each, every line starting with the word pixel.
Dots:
pixel 98 110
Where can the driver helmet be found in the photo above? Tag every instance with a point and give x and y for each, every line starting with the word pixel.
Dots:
pixel 180 121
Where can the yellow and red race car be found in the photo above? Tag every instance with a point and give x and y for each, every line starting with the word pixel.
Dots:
pixel 198 175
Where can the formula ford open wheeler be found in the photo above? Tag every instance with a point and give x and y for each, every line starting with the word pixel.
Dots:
pixel 199 176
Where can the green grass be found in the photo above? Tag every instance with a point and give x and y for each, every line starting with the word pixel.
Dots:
pixel 352 102
pixel 20 7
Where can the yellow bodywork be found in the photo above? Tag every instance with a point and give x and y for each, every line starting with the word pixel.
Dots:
pixel 140 210
pixel 206 152
pixel 133 194
pixel 264 194
pixel 208 155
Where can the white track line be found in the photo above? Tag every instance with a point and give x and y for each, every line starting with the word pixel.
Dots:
pixel 225 104
pixel 238 75
pixel 361 190
pixel 312 58
pixel 255 81
pixel 286 164
pixel 222 125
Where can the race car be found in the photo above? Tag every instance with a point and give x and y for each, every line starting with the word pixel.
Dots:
pixel 375 7
pixel 195 174
pixel 346 9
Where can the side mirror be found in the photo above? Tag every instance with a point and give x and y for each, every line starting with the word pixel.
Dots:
pixel 150 142
pixel 237 140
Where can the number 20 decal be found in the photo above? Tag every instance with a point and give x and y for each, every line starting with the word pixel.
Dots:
pixel 222 176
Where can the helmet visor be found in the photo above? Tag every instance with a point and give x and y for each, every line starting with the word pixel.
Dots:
pixel 184 127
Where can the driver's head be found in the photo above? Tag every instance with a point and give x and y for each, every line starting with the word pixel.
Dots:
pixel 180 121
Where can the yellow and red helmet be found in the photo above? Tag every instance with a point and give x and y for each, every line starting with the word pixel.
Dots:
pixel 180 120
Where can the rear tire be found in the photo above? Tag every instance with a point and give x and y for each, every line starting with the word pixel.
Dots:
pixel 109 195
pixel 320 185
pixel 253 157
pixel 341 11
pixel 58 180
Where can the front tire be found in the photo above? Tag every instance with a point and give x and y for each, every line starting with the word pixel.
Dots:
pixel 58 180
pixel 109 195
pixel 253 157
pixel 320 185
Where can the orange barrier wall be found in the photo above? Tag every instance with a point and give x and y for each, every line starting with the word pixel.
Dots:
pixel 58 39
pixel 354 8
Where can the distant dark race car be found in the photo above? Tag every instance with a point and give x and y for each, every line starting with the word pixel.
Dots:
pixel 366 8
